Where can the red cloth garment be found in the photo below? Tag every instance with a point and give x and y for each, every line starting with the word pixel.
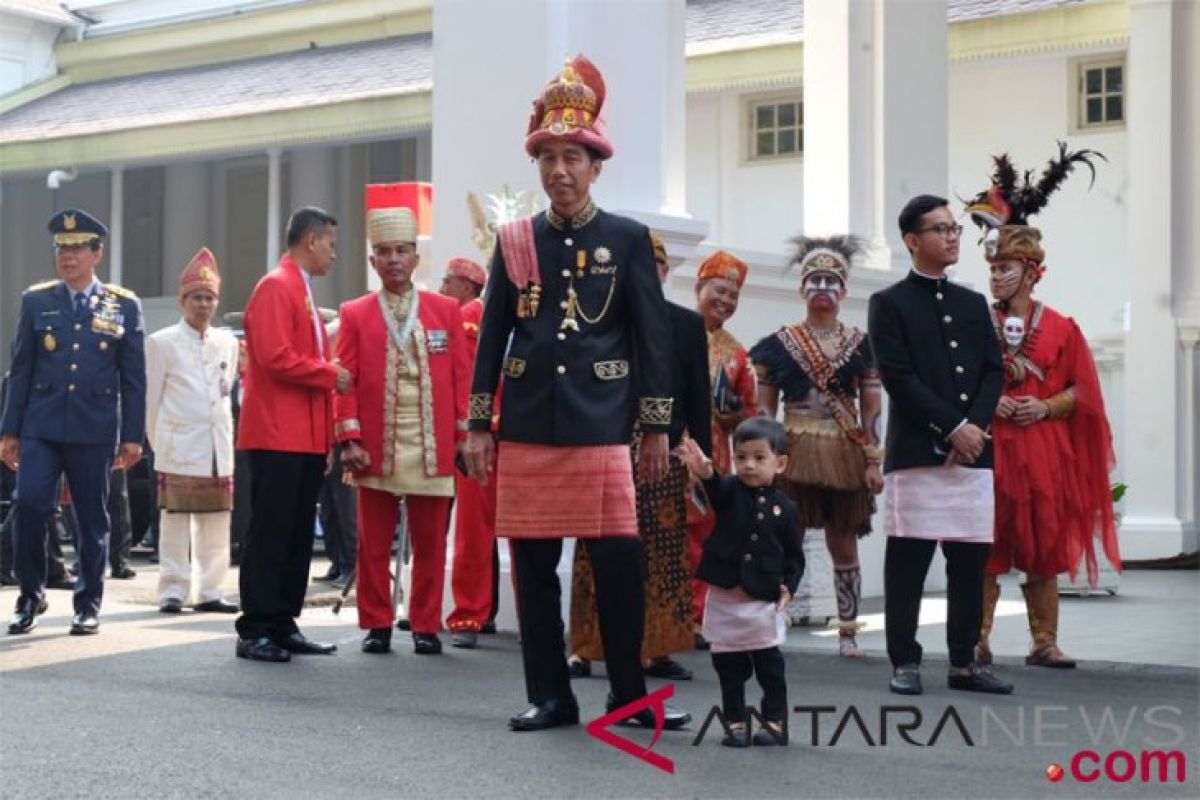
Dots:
pixel 428 521
pixel 288 405
pixel 725 352
pixel 553 492
pixel 1052 478
pixel 474 542
pixel 362 348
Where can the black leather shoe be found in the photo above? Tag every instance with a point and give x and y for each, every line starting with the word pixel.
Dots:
pixel 331 575
pixel 465 640
pixel 84 625
pixel 378 641
pixel 543 716
pixel 906 679
pixel 668 669
pixel 579 667
pixel 673 718
pixel 217 606
pixel 403 624
pixel 978 679
pixel 171 605
pixel 123 573
pixel 488 627
pixel 7 578
pixel 262 649
pixel 737 736
pixel 24 618
pixel 774 736
pixel 700 643
pixel 426 644
pixel 299 644
pixel 61 582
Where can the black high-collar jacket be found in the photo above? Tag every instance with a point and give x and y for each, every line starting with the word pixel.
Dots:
pixel 940 363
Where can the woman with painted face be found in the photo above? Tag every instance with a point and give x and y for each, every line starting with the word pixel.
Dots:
pixel 824 373
pixel 1051 436
pixel 734 397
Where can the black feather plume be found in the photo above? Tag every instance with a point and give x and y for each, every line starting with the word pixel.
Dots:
pixel 1032 197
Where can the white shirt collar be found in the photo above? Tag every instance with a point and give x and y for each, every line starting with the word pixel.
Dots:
pixel 86 291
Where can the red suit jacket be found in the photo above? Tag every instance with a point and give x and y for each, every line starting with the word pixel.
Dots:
pixel 288 404
pixel 444 358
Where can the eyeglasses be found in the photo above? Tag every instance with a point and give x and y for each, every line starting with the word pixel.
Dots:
pixel 943 230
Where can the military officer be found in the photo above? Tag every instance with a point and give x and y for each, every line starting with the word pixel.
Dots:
pixel 575 288
pixel 77 389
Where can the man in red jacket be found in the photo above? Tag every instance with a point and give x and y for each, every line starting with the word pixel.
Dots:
pixel 476 569
pixel 286 428
pixel 398 425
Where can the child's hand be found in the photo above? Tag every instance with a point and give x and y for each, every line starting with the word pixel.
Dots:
pixel 785 597
pixel 698 464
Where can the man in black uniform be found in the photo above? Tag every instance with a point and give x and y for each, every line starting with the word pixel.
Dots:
pixel 576 289
pixel 940 364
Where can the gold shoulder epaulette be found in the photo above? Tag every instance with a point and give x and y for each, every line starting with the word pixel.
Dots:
pixel 120 291
pixel 37 287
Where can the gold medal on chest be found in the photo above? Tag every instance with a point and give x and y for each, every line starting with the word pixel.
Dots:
pixel 49 342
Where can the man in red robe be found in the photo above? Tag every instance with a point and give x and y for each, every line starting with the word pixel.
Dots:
pixel 398 425
pixel 1052 439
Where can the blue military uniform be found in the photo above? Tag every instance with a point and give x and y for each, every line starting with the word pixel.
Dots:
pixel 77 388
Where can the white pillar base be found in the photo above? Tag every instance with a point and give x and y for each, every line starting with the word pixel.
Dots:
pixel 1144 538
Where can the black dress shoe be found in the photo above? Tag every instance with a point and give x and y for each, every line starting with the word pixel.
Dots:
pixel 700 643
pixel 668 669
pixel 579 668
pixel 978 679
pixel 61 582
pixel 171 605
pixel 84 624
pixel 217 606
pixel 542 716
pixel 331 575
pixel 24 618
pixel 488 627
pixel 906 679
pixel 7 578
pixel 403 624
pixel 465 640
pixel 262 649
pixel 299 644
pixel 426 644
pixel 378 641
pixel 673 718
pixel 123 573
pixel 772 736
pixel 737 736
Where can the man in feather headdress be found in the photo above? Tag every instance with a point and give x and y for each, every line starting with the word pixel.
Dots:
pixel 1051 436
pixel 825 374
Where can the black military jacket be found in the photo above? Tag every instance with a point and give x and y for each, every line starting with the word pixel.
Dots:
pixel 756 542
pixel 690 384
pixel 573 384
pixel 940 363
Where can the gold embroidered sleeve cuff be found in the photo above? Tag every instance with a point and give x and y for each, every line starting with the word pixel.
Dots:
pixel 1061 405
pixel 347 429
pixel 479 411
pixel 655 412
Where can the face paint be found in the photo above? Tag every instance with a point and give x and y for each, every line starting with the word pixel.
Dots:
pixel 823 289
pixel 1006 279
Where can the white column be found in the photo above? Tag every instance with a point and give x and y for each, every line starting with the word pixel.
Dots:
pixel 312 181
pixel 875 116
pixel 186 211
pixel 116 227
pixel 1151 527
pixel 1189 475
pixel 274 214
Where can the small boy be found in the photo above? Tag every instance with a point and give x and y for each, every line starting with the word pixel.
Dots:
pixel 752 562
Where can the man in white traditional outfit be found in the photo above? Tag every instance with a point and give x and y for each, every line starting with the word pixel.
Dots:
pixel 191 368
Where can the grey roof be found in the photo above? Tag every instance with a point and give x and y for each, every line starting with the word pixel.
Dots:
pixel 316 76
pixel 709 21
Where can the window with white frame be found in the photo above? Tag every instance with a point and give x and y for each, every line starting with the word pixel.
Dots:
pixel 775 127
pixel 1100 94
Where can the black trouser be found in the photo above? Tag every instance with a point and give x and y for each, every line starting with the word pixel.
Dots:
pixel 277 553
pixel 239 520
pixel 905 564
pixel 120 542
pixel 734 669
pixel 339 512
pixel 619 567
pixel 56 568
pixel 495 582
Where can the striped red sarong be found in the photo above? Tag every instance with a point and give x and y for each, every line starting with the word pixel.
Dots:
pixel 548 492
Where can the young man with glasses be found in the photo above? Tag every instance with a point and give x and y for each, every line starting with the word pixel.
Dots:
pixel 940 364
